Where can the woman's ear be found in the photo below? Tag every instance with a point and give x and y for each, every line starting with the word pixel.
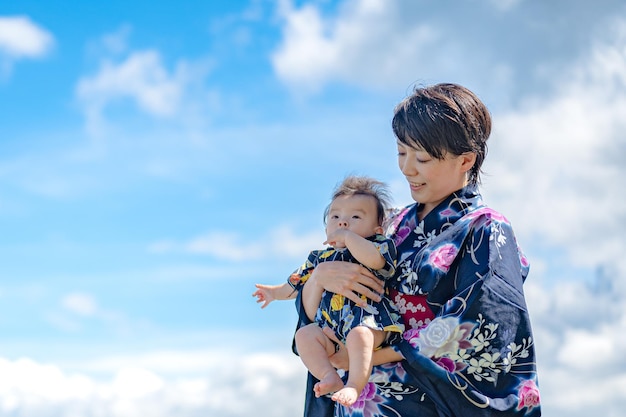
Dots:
pixel 468 159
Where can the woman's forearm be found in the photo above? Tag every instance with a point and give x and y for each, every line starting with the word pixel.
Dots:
pixel 386 355
pixel 340 359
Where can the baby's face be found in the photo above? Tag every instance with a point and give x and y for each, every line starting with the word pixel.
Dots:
pixel 356 213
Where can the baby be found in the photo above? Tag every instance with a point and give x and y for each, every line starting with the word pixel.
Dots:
pixel 354 232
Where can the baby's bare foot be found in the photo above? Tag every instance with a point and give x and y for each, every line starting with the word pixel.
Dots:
pixel 346 396
pixel 330 383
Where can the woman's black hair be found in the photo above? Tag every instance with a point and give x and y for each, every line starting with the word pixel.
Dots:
pixel 444 118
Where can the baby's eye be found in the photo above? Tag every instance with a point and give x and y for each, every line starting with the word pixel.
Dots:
pixel 356 216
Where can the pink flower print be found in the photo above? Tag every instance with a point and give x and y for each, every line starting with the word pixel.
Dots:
pixel 448 212
pixel 442 257
pixel 450 365
pixel 447 364
pixel 393 226
pixel 401 234
pixel 528 394
pixel 412 335
pixel 487 212
pixel 368 393
pixel 524 260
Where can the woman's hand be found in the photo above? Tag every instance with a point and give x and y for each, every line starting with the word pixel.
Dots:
pixel 345 278
pixel 348 279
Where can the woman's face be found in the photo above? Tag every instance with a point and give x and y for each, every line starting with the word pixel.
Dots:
pixel 432 180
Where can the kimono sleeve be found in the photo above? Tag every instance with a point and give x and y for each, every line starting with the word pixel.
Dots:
pixel 476 357
pixel 302 274
pixel 388 251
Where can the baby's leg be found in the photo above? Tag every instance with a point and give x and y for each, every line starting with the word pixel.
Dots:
pixel 314 349
pixel 360 343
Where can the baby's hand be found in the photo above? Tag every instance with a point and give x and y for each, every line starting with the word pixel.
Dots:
pixel 263 295
pixel 337 239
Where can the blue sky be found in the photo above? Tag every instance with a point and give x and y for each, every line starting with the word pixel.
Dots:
pixel 158 159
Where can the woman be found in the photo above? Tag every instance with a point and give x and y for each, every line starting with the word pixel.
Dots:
pixel 468 350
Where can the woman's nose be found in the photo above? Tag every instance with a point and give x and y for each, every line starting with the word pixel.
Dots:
pixel 408 167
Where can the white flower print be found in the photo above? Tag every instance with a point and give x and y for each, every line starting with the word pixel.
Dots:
pixel 421 237
pixel 416 324
pixel 442 336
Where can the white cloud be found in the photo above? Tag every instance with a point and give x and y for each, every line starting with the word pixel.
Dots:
pixel 80 303
pixel 576 395
pixel 117 42
pixel 230 246
pixel 224 246
pixel 556 164
pixel 366 44
pixel 597 349
pixel 232 385
pixel 21 37
pixel 145 80
pixel 141 77
pixel 136 382
pixel 80 311
pixel 24 381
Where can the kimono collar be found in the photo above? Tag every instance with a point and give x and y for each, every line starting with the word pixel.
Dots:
pixel 445 214
pixel 455 206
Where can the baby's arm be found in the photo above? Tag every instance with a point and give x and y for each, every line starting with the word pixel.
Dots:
pixel 267 293
pixel 362 249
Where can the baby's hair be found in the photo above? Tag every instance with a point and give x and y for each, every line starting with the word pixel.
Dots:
pixel 361 185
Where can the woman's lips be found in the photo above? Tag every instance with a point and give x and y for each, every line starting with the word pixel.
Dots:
pixel 416 186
